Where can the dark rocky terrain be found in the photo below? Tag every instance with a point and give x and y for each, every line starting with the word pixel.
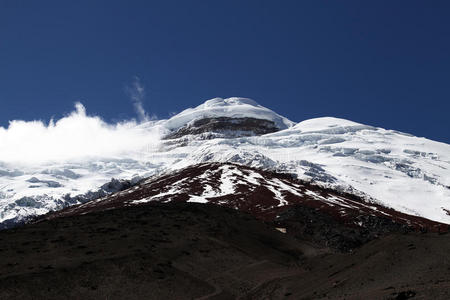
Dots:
pixel 203 251
pixel 225 127
pixel 273 237
pixel 157 251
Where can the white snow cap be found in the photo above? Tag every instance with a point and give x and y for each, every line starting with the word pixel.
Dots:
pixel 234 107
pixel 324 123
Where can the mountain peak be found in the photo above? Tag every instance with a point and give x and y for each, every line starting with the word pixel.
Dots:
pixel 233 107
pixel 215 102
pixel 391 168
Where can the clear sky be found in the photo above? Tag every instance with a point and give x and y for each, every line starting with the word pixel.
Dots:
pixel 383 63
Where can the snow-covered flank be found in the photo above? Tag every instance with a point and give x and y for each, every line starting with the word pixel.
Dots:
pixel 409 174
pixel 231 107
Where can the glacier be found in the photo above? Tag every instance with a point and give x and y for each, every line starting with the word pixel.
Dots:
pixel 397 170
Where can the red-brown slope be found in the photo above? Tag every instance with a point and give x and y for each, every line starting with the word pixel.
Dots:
pixel 264 194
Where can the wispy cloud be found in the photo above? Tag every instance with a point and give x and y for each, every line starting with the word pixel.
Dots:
pixel 136 92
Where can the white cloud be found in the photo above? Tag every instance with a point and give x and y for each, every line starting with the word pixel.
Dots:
pixel 73 137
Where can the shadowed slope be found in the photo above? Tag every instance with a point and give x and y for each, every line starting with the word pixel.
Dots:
pixel 201 251
pixel 157 251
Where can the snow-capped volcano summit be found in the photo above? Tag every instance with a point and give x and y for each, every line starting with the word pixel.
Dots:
pixel 234 107
pixel 386 167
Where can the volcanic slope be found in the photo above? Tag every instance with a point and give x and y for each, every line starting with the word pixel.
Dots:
pixel 202 251
pixel 310 212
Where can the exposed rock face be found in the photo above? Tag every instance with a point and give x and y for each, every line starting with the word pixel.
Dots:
pixel 225 127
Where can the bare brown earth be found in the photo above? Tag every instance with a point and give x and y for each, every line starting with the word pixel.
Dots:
pixel 202 251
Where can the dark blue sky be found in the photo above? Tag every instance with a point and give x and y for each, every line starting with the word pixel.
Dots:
pixel 383 63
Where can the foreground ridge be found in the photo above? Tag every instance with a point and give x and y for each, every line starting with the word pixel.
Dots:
pixel 201 251
pixel 273 197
